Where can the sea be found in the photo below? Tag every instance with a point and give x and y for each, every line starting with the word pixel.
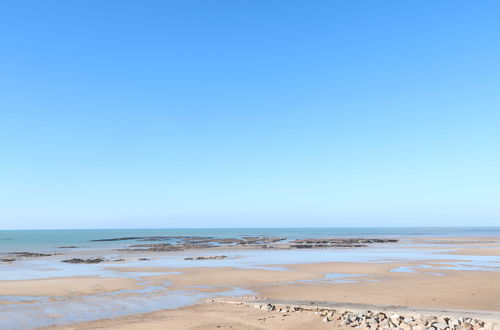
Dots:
pixel 50 240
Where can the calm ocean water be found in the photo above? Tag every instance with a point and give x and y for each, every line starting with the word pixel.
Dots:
pixel 40 240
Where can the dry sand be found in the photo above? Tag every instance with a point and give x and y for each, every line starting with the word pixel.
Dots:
pixel 209 316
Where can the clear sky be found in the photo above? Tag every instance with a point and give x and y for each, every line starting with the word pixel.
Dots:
pixel 249 113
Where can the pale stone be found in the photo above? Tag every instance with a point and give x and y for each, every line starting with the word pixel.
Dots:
pixel 440 326
pixel 383 324
pixel 442 320
pixel 418 327
pixel 429 320
pixel 479 322
pixel 268 307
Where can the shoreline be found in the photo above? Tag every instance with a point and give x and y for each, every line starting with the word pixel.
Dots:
pixel 414 272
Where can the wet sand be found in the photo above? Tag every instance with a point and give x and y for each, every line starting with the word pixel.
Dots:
pixel 478 252
pixel 66 286
pixel 453 290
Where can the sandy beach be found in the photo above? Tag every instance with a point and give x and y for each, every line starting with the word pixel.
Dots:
pixel 438 274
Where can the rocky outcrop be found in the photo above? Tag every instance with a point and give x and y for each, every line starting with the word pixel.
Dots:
pixel 164 247
pixel 180 243
pixel 235 241
pixel 337 242
pixel 144 238
pixel 84 261
pixel 30 254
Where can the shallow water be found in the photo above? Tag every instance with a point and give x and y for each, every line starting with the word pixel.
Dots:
pixel 49 311
pixel 272 259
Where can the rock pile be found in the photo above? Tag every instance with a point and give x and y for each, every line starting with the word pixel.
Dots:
pixel 380 320
pixel 282 309
pixel 377 319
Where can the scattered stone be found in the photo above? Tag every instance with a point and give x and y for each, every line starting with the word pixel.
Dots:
pixel 7 260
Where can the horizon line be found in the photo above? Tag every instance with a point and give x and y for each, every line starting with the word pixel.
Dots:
pixel 290 227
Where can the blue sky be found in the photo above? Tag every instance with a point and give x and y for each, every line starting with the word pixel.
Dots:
pixel 249 113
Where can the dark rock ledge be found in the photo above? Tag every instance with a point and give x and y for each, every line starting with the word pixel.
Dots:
pixel 30 254
pixel 83 261
pixel 207 258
